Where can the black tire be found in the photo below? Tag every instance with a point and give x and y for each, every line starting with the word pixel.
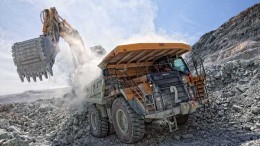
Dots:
pixel 98 124
pixel 111 129
pixel 182 119
pixel 130 128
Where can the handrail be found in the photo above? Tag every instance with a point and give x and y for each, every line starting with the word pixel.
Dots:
pixel 135 87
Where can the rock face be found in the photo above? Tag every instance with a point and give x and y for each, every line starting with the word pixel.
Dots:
pixel 231 57
pixel 238 38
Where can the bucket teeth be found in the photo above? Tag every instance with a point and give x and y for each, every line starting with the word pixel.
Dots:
pixel 45 75
pixel 34 78
pixel 51 72
pixel 40 77
pixel 34 58
pixel 28 78
pixel 21 78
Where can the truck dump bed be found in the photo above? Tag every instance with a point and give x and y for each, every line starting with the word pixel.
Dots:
pixel 142 54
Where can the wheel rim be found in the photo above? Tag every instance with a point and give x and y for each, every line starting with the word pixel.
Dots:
pixel 93 117
pixel 121 120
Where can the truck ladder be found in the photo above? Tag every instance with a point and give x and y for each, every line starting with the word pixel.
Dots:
pixel 139 95
pixel 199 79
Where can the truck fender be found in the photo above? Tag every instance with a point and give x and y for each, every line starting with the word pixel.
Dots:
pixel 136 107
pixel 133 103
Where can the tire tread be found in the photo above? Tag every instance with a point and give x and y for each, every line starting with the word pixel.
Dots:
pixel 137 122
pixel 102 123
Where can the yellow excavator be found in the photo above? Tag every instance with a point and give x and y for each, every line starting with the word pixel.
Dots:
pixel 35 57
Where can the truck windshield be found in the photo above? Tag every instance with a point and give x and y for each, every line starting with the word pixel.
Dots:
pixel 180 65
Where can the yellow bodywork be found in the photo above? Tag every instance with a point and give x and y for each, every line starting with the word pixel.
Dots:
pixel 133 61
pixel 141 54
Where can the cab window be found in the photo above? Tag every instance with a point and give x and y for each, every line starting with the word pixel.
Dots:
pixel 179 65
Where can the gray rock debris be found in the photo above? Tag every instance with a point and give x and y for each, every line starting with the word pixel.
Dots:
pixel 22 124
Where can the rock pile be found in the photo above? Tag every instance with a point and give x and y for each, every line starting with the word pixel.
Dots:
pixel 30 123
pixel 75 130
pixel 234 87
pixel 239 73
pixel 208 127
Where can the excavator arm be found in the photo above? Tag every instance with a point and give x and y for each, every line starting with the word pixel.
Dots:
pixel 56 26
pixel 34 58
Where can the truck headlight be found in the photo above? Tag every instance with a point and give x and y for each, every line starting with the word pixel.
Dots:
pixel 185 79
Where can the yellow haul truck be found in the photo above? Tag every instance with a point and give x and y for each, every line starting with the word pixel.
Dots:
pixel 144 82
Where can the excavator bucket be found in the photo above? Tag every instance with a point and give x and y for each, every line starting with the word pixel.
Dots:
pixel 35 57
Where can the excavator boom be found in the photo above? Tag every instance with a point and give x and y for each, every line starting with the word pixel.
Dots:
pixel 34 58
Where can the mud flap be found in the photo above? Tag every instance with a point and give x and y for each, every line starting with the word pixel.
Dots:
pixel 35 58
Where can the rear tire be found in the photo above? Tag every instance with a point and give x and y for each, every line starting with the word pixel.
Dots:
pixel 98 124
pixel 129 126
pixel 111 129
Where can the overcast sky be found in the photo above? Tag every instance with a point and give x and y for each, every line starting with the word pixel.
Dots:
pixel 107 23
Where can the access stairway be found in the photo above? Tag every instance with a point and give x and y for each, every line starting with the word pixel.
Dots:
pixel 199 82
pixel 131 88
pixel 139 95
pixel 199 79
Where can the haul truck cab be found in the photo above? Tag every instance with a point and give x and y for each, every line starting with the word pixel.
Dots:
pixel 143 82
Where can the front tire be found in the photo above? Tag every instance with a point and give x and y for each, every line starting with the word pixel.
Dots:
pixel 98 124
pixel 129 126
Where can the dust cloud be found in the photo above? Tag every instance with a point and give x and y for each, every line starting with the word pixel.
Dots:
pixel 85 64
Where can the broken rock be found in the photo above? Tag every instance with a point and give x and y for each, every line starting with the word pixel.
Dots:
pixel 237 108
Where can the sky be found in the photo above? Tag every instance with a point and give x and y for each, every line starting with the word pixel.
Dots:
pixel 108 23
